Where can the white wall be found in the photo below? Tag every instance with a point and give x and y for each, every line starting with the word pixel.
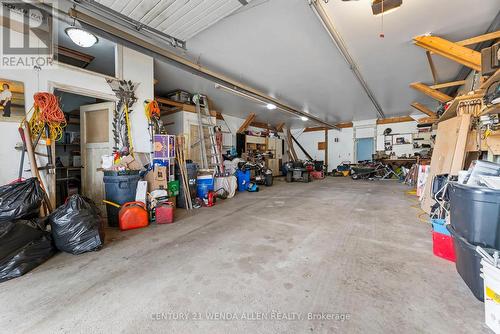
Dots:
pixel 140 69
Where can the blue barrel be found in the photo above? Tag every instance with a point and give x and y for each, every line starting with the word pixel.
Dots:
pixel 204 184
pixel 120 189
pixel 243 179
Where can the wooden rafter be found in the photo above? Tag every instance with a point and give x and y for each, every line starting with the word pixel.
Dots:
pixel 261 125
pixel 448 84
pixel 420 107
pixel 479 39
pixel 450 50
pixel 319 128
pixel 428 120
pixel 435 94
pixel 280 126
pixel 246 123
pixel 392 120
pixel 432 66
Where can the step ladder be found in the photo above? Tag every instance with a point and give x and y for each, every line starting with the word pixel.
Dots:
pixel 210 154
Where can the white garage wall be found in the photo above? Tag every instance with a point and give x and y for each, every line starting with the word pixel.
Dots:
pixel 139 69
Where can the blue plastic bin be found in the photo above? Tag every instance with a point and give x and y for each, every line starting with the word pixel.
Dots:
pixel 243 179
pixel 204 184
pixel 438 226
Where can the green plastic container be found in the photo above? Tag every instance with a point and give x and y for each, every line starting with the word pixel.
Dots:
pixel 173 188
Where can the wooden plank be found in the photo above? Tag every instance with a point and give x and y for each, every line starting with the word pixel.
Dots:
pixel 280 126
pixel 435 94
pixel 432 66
pixel 479 39
pixel 420 107
pixel 344 125
pixel 77 55
pixel 246 123
pixel 170 103
pixel 448 84
pixel 326 150
pixel 450 50
pixel 428 120
pixel 319 128
pixel 394 120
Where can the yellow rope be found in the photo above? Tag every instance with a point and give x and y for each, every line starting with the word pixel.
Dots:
pixel 131 148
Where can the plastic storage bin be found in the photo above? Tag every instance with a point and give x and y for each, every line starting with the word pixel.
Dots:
pixel 442 246
pixel 438 226
pixel 475 214
pixel 120 189
pixel 468 264
pixel 491 276
pixel 204 184
pixel 243 179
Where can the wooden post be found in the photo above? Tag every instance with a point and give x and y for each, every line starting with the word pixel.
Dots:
pixel 326 149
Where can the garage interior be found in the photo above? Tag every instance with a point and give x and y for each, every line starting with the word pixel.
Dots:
pixel 265 166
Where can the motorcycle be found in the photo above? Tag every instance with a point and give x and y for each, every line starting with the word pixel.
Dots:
pixel 263 175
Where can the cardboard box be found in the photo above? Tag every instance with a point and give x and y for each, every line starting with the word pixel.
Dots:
pixel 157 178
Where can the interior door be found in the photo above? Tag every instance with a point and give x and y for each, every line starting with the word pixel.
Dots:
pixel 364 149
pixel 97 140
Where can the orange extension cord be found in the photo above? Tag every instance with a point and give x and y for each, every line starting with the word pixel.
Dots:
pixel 47 112
pixel 152 109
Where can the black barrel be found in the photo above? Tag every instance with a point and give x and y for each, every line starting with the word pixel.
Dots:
pixel 475 214
pixel 120 188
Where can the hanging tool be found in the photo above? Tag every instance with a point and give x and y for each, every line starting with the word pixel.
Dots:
pixel 211 158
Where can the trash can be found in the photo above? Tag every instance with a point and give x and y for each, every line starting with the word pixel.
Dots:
pixel 192 171
pixel 120 188
pixel 475 214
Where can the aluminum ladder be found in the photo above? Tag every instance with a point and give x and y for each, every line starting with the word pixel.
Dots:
pixel 211 157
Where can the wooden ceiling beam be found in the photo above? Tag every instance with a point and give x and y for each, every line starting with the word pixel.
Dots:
pixel 480 39
pixel 432 66
pixel 435 94
pixel 428 120
pixel 448 84
pixel 450 50
pixel 392 120
pixel 280 126
pixel 420 107
pixel 246 123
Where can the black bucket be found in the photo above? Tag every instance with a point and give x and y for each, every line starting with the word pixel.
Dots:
pixel 468 264
pixel 120 189
pixel 475 214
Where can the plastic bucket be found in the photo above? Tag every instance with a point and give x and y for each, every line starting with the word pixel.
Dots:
pixel 468 264
pixel 491 276
pixel 205 183
pixel 243 179
pixel 120 189
pixel 475 214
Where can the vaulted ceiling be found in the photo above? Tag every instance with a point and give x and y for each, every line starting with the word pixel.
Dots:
pixel 281 48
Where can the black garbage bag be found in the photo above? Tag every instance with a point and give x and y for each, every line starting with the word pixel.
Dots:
pixel 20 200
pixel 22 248
pixel 76 225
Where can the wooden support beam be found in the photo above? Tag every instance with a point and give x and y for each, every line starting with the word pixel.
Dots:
pixel 432 66
pixel 395 120
pixel 448 84
pixel 428 120
pixel 420 107
pixel 344 125
pixel 450 50
pixel 326 150
pixel 219 116
pixel 246 123
pixel 261 125
pixel 479 39
pixel 320 128
pixel 435 94
pixel 280 126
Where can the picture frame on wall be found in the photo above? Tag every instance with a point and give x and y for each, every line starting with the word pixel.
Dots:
pixel 12 101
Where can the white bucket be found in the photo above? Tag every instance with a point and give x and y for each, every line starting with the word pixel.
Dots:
pixel 491 276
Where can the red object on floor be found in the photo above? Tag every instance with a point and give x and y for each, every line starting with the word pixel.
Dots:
pixel 442 246
pixel 317 175
pixel 133 215
pixel 164 213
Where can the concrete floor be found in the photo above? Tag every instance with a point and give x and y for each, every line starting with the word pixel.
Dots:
pixel 336 248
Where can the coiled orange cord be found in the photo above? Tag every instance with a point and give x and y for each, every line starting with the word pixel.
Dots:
pixel 47 112
pixel 152 109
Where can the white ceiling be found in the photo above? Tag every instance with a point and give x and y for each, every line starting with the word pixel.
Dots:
pixel 281 48
pixel 179 18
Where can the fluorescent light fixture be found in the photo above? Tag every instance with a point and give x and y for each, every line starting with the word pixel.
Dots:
pixel 304 118
pixel 385 6
pixel 271 106
pixel 81 37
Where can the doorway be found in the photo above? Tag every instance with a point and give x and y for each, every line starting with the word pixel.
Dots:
pixel 72 166
pixel 364 149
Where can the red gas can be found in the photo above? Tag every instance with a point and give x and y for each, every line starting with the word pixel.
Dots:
pixel 133 215
pixel 164 213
